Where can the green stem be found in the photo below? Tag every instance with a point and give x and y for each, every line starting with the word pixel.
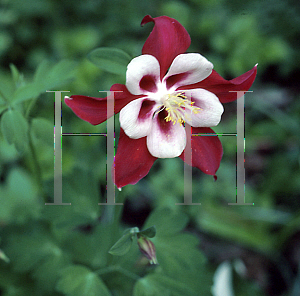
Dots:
pixel 37 168
pixel 112 216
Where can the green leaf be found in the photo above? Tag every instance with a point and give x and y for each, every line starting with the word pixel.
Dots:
pixel 167 221
pixel 178 254
pixel 25 92
pixel 16 75
pixel 78 280
pixel 122 246
pixel 41 71
pixel 147 286
pixel 60 74
pixel 45 78
pixel 14 128
pixel 160 284
pixel 21 199
pixel 149 232
pixel 42 129
pixel 47 272
pixel 80 189
pixel 112 60
pixel 3 106
pixel 28 246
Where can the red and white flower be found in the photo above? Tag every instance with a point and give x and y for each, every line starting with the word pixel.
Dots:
pixel 165 89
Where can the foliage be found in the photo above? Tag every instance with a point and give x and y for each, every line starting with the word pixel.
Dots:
pixel 84 47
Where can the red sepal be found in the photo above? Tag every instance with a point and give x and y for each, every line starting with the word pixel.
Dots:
pixel 223 88
pixel 207 151
pixel 132 161
pixel 167 40
pixel 94 110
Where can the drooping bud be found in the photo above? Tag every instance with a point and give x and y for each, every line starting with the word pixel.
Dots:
pixel 147 248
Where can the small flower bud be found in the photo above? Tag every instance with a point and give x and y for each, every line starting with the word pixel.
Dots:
pixel 147 248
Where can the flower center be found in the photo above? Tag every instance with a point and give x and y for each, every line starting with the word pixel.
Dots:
pixel 178 107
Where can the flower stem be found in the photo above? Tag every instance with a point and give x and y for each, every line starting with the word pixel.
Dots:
pixel 36 165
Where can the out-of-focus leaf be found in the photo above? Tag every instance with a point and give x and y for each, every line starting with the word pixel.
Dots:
pixel 60 74
pixel 147 286
pixel 7 88
pixel 19 199
pixel 231 224
pixel 122 246
pixel 46 77
pixel 112 60
pixel 41 71
pixel 47 272
pixel 149 232
pixel 167 221
pixel 7 152
pixel 78 280
pixel 2 106
pixel 25 92
pixel 82 191
pixel 177 253
pixel 160 284
pixel 14 128
pixel 42 129
pixel 16 75
pixel 27 246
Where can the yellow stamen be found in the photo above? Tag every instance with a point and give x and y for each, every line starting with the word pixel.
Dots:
pixel 177 106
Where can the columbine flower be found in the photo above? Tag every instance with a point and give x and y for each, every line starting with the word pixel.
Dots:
pixel 166 88
pixel 163 108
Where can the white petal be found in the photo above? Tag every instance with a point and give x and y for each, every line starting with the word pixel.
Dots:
pixel 210 108
pixel 166 143
pixel 142 66
pixel 136 127
pixel 193 68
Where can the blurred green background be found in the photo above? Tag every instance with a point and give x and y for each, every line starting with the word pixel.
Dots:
pixel 45 250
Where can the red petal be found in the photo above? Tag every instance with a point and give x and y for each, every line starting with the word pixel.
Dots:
pixel 94 110
pixel 222 87
pixel 132 161
pixel 207 150
pixel 167 40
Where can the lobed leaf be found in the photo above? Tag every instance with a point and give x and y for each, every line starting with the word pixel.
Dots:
pixel 78 280
pixel 14 128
